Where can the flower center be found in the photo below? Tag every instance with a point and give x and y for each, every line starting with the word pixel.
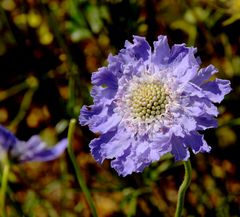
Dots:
pixel 148 100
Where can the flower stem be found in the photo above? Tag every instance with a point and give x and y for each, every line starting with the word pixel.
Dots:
pixel 6 169
pixel 182 190
pixel 25 105
pixel 77 170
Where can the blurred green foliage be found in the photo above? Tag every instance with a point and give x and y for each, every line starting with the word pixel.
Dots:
pixel 48 50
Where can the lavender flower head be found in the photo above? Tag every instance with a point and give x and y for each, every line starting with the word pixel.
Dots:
pixel 32 150
pixel 151 102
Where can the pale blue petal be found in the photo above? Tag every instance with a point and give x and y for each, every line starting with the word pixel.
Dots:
pixel 216 90
pixel 124 165
pixel 87 112
pixel 107 80
pixel 191 89
pixel 197 143
pixel 160 146
pixel 132 160
pixel 185 66
pixel 206 121
pixel 100 119
pixel 139 49
pixel 37 150
pixel 179 150
pixel 46 153
pixel 161 51
pixel 95 145
pixel 204 74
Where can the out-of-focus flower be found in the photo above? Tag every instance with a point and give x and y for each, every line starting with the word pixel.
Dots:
pixel 32 150
pixel 149 103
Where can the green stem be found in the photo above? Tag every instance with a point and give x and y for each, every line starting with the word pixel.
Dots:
pixel 182 190
pixel 25 105
pixel 77 170
pixel 13 90
pixel 5 20
pixel 6 169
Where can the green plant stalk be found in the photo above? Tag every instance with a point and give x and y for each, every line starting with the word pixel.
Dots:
pixel 25 105
pixel 14 90
pixel 182 190
pixel 6 169
pixel 77 170
pixel 5 20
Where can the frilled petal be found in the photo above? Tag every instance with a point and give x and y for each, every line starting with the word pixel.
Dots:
pixel 209 107
pixel 104 126
pixel 179 150
pixel 95 145
pixel 216 90
pixel 205 122
pixel 188 123
pixel 204 74
pixel 115 65
pixel 196 107
pixel 140 154
pixel 185 66
pixel 106 82
pixel 100 119
pixel 160 146
pixel 180 51
pixel 190 89
pixel 161 51
pixel 87 113
pixel 109 145
pixel 185 124
pixel 197 143
pixel 37 150
pixel 134 159
pixel 124 165
pixel 139 49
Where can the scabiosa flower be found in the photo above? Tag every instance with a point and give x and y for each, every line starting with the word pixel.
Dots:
pixel 151 102
pixel 32 150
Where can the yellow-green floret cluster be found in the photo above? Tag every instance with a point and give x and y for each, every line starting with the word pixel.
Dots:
pixel 148 100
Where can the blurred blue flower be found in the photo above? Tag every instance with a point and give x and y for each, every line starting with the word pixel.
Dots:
pixel 32 150
pixel 149 103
